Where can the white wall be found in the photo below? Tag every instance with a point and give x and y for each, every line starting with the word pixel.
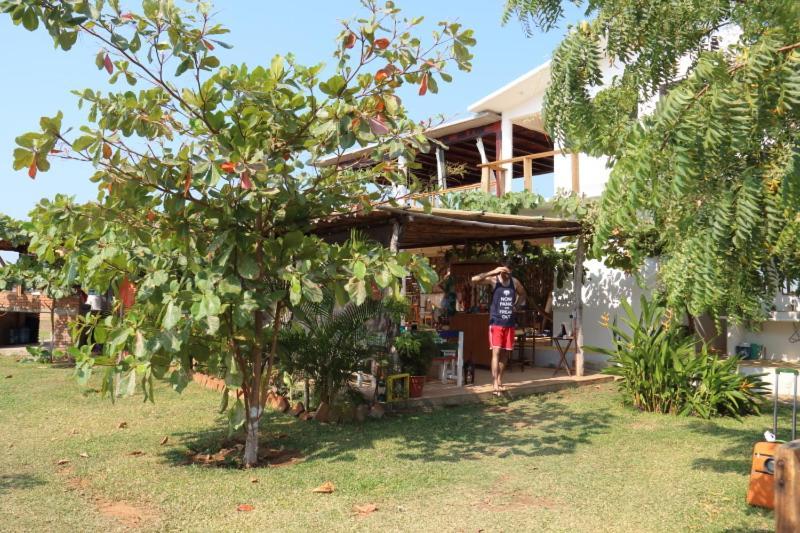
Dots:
pixel 603 290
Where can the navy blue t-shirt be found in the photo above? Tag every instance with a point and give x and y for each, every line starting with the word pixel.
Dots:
pixel 501 312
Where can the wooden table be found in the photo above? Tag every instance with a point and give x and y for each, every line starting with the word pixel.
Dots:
pixel 563 344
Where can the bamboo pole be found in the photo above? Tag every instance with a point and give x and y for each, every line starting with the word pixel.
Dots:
pixel 461 222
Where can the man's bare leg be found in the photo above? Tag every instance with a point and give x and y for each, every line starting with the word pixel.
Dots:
pixel 495 369
pixel 501 366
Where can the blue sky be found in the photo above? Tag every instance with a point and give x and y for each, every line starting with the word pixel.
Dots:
pixel 38 79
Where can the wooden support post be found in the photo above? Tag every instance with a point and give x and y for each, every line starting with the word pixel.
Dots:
pixel 441 173
pixel 441 168
pixel 578 288
pixel 787 487
pixel 485 171
pixel 460 360
pixel 500 177
pixel 527 174
pixel 576 180
pixel 499 172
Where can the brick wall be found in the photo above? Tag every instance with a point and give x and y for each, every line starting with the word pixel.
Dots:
pixel 18 301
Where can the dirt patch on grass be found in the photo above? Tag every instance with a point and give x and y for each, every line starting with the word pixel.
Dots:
pixel 643 425
pixel 126 514
pixel 131 516
pixel 516 501
pixel 501 498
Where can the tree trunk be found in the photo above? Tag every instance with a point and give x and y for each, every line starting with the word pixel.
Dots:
pixel 253 403
pixel 251 440
pixel 52 329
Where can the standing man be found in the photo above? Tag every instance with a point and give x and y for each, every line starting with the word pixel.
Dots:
pixel 508 294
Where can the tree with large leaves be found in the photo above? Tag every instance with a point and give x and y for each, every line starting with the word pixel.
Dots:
pixel 209 187
pixel 713 171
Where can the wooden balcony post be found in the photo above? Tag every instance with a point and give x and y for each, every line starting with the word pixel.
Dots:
pixel 484 179
pixel 527 173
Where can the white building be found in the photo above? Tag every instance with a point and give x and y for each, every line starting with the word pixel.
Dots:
pixel 504 145
pixel 519 105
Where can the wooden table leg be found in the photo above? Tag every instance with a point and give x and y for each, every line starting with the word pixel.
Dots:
pixel 563 357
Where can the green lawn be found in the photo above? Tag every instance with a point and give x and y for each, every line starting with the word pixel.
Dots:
pixel 576 460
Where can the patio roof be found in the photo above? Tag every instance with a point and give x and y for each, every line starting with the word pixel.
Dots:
pixel 8 246
pixel 419 228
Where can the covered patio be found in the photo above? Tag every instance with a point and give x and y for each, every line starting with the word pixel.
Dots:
pixel 415 229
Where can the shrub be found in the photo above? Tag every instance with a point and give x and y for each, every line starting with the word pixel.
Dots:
pixel 327 343
pixel 416 349
pixel 665 370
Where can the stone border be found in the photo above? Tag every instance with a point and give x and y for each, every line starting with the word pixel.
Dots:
pixel 468 397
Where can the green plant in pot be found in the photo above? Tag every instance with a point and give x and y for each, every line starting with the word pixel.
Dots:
pixel 416 350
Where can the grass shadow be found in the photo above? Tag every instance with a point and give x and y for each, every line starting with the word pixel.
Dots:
pixel 532 428
pixel 10 482
pixel 736 457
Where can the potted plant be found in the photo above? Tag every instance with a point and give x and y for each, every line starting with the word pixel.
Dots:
pixel 416 350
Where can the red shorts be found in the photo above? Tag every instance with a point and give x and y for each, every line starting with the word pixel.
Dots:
pixel 501 337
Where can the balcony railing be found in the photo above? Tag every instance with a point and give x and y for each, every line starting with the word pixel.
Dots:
pixel 497 168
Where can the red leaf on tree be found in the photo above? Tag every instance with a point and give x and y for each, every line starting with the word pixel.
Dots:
pixel 151 216
pixel 108 64
pixel 350 40
pixel 208 44
pixel 54 151
pixel 378 126
pixel 381 75
pixel 245 507
pixel 127 293
pixel 107 151
pixel 228 167
pixel 246 182
pixel 32 170
pixel 382 43
pixel 126 16
pixel 423 85
pixel 187 182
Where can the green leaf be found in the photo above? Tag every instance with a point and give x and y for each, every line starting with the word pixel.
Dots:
pixel 276 67
pixel 209 62
pixel 223 401
pixel 312 291
pixel 29 19
pixel 248 267
pixel 172 315
pixel 84 142
pixel 184 65
pixel 359 269
pixel 295 291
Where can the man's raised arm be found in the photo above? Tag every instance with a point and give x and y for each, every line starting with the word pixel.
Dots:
pixel 488 278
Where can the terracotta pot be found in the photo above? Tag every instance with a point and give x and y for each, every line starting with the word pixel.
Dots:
pixel 415 385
